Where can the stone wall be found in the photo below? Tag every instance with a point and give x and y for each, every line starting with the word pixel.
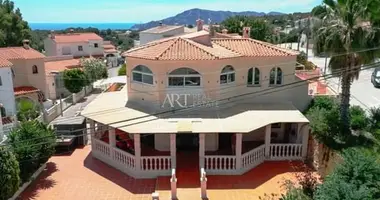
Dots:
pixel 322 158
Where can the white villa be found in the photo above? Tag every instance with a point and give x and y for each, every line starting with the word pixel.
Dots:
pixel 218 100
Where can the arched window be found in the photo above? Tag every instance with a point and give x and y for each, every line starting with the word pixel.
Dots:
pixel 227 75
pixel 142 74
pixel 275 76
pixel 184 77
pixel 253 76
pixel 35 69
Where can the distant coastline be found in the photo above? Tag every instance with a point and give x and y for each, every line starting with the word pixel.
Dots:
pixel 61 26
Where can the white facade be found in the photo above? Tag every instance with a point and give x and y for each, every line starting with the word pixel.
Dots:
pixel 7 97
pixel 156 33
pixel 78 49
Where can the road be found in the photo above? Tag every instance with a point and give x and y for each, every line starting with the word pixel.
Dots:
pixel 112 72
pixel 363 93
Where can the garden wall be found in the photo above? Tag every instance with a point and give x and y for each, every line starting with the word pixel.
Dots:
pixel 322 158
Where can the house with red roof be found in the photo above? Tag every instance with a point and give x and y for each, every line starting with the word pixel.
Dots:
pixel 224 103
pixel 80 45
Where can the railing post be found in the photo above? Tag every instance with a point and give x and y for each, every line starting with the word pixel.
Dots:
pixel 203 184
pixel 173 184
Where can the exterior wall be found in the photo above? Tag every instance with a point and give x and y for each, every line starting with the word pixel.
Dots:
pixel 88 48
pixel 50 84
pixel 162 142
pixel 7 97
pixel 24 75
pixel 50 47
pixel 149 37
pixel 210 75
pixel 54 82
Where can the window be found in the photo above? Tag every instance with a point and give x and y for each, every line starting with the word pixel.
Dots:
pixel 80 48
pixel 96 45
pixel 253 76
pixel 184 77
pixel 35 69
pixel 227 75
pixel 142 74
pixel 275 76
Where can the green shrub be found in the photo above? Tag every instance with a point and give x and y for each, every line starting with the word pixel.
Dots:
pixel 359 119
pixel 74 80
pixel 9 174
pixel 33 144
pixel 358 177
pixel 27 110
pixel 123 70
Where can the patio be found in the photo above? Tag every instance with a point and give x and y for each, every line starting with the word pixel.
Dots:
pixel 80 176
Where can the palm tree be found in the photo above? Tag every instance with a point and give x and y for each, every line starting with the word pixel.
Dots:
pixel 347 27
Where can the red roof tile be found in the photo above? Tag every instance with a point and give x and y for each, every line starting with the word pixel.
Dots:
pixel 109 46
pixel 5 63
pixel 76 37
pixel 61 65
pixel 25 90
pixel 10 53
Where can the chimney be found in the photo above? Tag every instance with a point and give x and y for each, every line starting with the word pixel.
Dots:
pixel 211 30
pixel 52 34
pixel 199 24
pixel 224 31
pixel 25 44
pixel 246 32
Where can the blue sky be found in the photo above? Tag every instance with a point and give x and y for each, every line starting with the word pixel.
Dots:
pixel 136 11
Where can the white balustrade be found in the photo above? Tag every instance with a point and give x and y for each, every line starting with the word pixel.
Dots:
pixel 285 151
pixel 101 148
pixel 253 158
pixel 220 164
pixel 156 163
pixel 123 158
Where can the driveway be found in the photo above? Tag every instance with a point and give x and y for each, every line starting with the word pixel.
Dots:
pixel 112 72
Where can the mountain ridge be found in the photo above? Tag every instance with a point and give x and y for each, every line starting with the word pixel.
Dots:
pixel 190 16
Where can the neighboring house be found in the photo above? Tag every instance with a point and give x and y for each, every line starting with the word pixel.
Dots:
pixel 239 109
pixel 28 71
pixel 159 32
pixel 111 54
pixel 7 99
pixel 54 67
pixel 75 44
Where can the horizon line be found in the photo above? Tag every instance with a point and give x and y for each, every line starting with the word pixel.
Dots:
pixel 82 22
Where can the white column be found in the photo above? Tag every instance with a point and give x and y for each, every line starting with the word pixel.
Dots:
pixel 173 149
pixel 91 130
pixel 112 136
pixel 299 133
pixel 173 185
pixel 201 150
pixel 268 130
pixel 137 151
pixel 238 146
pixel 305 140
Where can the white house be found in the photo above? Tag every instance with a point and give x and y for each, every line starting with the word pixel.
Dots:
pixel 7 98
pixel 75 44
pixel 159 32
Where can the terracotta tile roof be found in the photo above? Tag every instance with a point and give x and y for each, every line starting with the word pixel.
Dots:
pixel 161 29
pixel 179 49
pixel 251 48
pixel 76 37
pixel 10 53
pixel 110 51
pixel 184 48
pixel 25 90
pixel 5 63
pixel 61 65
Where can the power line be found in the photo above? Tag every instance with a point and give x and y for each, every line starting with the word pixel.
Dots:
pixel 328 76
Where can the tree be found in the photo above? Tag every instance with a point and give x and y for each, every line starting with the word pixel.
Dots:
pixel 9 174
pixel 27 110
pixel 358 177
pixel 319 11
pixel 13 29
pixel 123 70
pixel 342 32
pixel 33 144
pixel 94 69
pixel 74 80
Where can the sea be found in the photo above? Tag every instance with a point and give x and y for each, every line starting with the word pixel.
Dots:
pixel 61 26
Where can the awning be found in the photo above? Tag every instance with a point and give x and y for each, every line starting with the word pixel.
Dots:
pixel 112 108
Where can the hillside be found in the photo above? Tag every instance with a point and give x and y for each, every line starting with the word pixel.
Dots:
pixel 190 16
